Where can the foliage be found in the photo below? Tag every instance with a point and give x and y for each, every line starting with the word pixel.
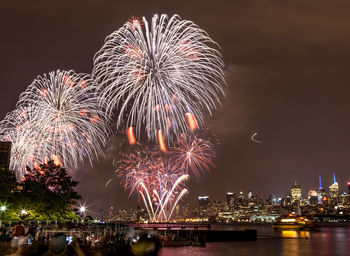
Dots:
pixel 47 192
pixel 7 184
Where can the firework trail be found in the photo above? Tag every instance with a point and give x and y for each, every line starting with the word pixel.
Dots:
pixel 148 174
pixel 160 76
pixel 159 179
pixel 57 117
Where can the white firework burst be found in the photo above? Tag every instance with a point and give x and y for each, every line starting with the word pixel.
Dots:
pixel 58 116
pixel 25 150
pixel 159 76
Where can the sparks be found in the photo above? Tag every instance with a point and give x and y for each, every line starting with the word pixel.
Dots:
pixel 51 116
pixel 191 121
pixel 131 136
pixel 155 73
pixel 161 141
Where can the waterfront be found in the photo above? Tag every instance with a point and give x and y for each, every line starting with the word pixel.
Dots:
pixel 331 240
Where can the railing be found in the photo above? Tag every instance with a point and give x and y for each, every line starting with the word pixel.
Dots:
pixel 168 226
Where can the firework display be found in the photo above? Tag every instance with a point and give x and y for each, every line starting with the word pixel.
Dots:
pixel 159 76
pixel 192 155
pixel 57 117
pixel 147 173
pixel 159 178
pixel 26 150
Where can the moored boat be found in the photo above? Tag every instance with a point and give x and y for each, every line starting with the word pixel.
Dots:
pixel 293 222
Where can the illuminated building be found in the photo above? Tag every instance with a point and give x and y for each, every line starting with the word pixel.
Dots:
pixel 296 193
pixel 312 197
pixel 5 152
pixel 241 195
pixel 344 199
pixel 286 201
pixel 230 197
pixel 250 194
pixel 203 202
pixel 273 200
pixel 334 189
pixel 320 195
pixel 349 187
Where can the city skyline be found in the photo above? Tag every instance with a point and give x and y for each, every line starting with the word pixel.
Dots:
pixel 327 204
pixel 292 95
pixel 174 127
pixel 304 191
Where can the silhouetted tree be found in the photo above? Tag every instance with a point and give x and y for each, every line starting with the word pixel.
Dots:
pixel 48 192
pixel 7 184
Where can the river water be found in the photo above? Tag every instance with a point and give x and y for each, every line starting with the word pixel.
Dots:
pixel 328 241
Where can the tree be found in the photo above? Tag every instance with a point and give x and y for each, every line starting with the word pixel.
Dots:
pixel 48 193
pixel 7 188
pixel 7 184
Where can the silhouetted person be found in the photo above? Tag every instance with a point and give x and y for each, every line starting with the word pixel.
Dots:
pixel 18 230
pixel 32 230
pixel 19 238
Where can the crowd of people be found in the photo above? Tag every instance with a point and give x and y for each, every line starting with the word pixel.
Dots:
pixel 35 240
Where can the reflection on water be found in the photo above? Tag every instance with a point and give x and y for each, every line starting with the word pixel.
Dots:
pixel 295 234
pixel 327 241
pixel 298 246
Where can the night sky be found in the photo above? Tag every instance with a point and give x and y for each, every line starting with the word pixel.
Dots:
pixel 287 67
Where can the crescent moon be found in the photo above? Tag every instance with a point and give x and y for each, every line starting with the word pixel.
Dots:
pixel 255 140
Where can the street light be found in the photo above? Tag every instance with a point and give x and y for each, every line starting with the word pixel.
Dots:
pixel 23 214
pixel 2 209
pixel 82 211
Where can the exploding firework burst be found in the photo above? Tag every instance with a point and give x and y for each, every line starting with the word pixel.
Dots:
pixel 160 76
pixel 57 117
pixel 159 179
pixel 148 174
pixel 192 155
pixel 26 150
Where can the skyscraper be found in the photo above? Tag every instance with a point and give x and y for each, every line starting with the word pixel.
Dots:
pixel 334 189
pixel 230 198
pixel 5 152
pixel 250 194
pixel 313 197
pixel 241 195
pixel 296 193
pixel 203 202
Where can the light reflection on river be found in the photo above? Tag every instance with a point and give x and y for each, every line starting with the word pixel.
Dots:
pixel 327 241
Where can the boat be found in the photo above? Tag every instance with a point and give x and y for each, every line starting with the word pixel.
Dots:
pixel 293 222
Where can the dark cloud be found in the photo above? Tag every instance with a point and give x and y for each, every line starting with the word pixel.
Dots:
pixel 287 74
